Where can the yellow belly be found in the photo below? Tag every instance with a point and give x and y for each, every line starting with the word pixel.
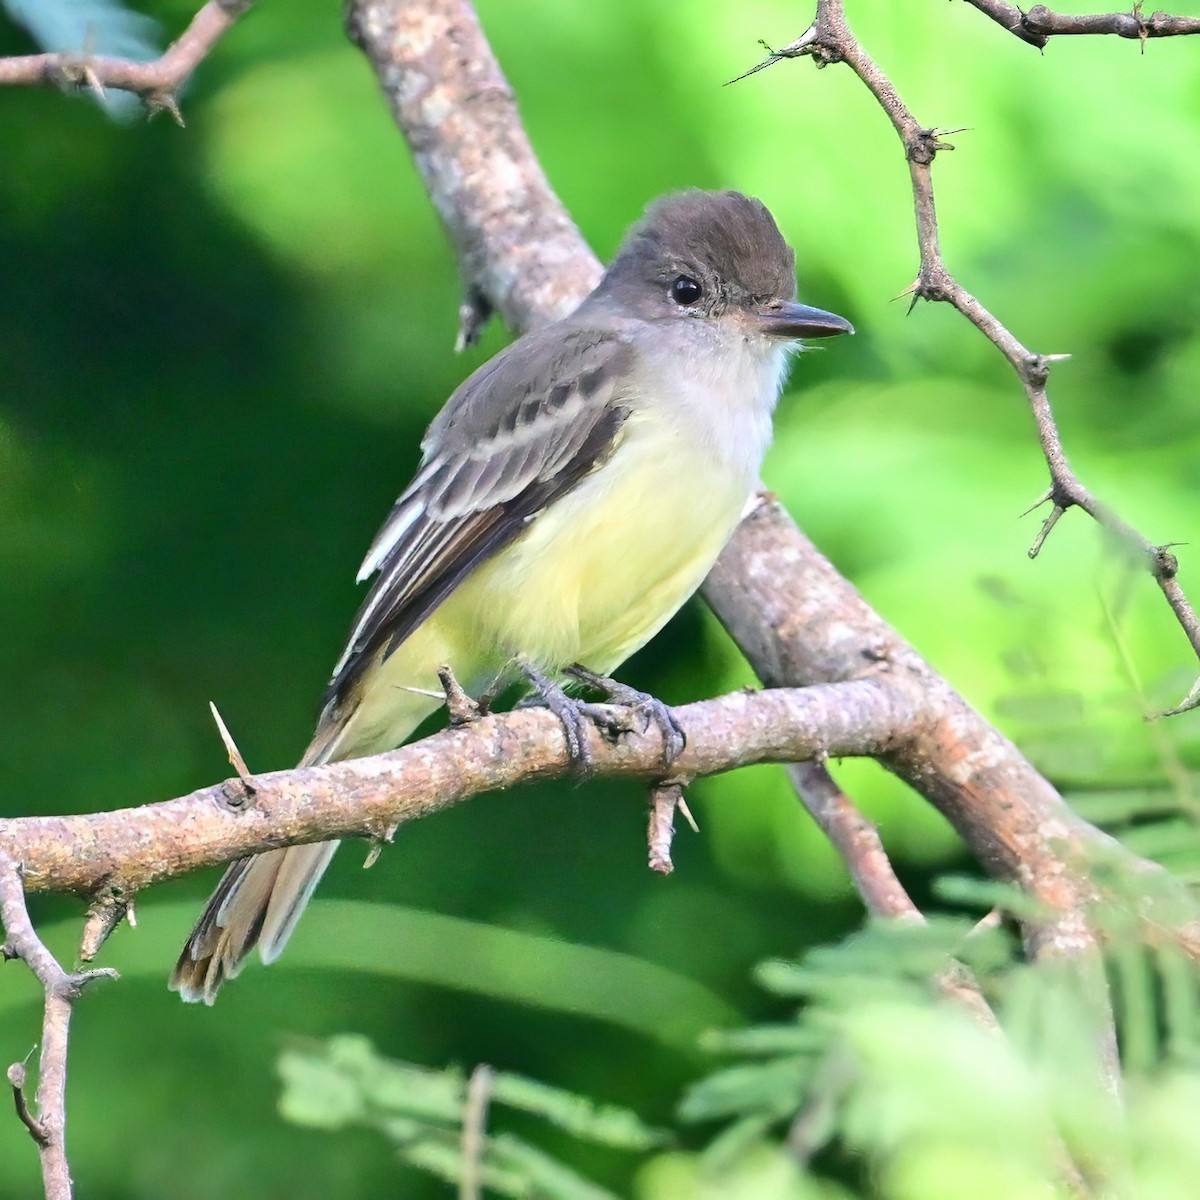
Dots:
pixel 591 580
pixel 601 571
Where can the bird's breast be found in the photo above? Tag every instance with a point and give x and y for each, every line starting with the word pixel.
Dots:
pixel 597 574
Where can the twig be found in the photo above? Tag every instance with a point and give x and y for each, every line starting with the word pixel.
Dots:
pixel 857 840
pixel 1009 17
pixel 830 40
pixel 105 913
pixel 664 799
pixel 474 1131
pixel 1068 934
pixel 158 83
pixel 461 707
pixel 16 1079
pixel 1039 24
pixel 48 1125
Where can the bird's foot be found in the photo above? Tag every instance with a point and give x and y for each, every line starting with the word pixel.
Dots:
pixel 572 713
pixel 641 710
pixel 624 710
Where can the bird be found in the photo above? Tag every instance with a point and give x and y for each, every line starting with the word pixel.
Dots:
pixel 571 495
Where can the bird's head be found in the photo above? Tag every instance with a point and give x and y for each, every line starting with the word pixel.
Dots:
pixel 714 256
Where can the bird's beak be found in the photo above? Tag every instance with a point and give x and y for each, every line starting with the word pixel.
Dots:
pixel 790 320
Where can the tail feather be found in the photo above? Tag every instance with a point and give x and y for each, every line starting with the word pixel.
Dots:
pixel 258 902
pixel 260 898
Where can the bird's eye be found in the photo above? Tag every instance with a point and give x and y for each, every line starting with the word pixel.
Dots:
pixel 685 290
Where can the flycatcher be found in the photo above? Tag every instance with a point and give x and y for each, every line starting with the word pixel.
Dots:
pixel 572 494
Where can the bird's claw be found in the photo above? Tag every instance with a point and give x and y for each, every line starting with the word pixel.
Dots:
pixel 636 704
pixel 569 711
pixel 625 710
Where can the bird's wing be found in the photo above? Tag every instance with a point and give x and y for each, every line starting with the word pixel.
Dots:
pixel 520 433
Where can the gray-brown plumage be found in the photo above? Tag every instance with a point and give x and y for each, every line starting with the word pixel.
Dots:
pixel 571 495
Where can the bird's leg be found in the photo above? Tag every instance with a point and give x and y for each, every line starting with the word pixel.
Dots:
pixel 640 710
pixel 570 712
pixel 639 704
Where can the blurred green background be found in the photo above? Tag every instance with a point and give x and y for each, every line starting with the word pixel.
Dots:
pixel 219 347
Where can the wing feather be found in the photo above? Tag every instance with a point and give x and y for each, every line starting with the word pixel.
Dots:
pixel 520 433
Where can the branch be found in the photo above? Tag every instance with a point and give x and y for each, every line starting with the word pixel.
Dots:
pixel 829 40
pixel 48 1125
pixel 1039 24
pixel 857 840
pixel 158 83
pixel 518 250
pixel 131 848
pixel 1013 820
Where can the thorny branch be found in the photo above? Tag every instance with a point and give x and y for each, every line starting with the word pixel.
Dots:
pixel 830 40
pixel 47 1121
pixel 1039 24
pixel 158 83
pixel 129 849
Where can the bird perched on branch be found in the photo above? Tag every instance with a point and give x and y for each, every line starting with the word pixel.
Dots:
pixel 572 494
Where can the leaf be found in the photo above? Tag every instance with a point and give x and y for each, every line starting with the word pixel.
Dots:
pixel 776 1087
pixel 343 1081
pixel 607 1124
pixel 764 1040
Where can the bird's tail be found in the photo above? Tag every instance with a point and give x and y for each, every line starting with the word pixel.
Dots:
pixel 257 903
pixel 260 898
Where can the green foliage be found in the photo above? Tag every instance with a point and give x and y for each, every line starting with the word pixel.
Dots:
pixel 421 1112
pixel 878 1085
pixel 880 1071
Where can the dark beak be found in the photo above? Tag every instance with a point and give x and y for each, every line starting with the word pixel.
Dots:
pixel 799 321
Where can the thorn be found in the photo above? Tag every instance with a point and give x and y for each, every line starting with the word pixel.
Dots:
pixel 686 813
pixel 92 82
pixel 1039 502
pixel 792 50
pixel 235 755
pixel 157 102
pixel 377 844
pixel 419 691
pixel 1187 704
pixel 463 709
pixel 1043 533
